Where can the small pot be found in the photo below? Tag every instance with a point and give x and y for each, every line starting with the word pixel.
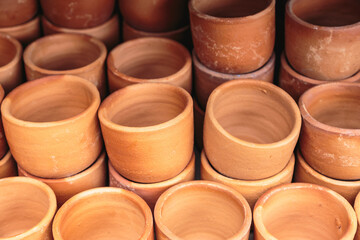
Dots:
pixel 73 54
pixel 206 80
pixel 78 14
pixel 108 32
pixel 149 60
pixel 251 128
pixel 14 13
pixel 251 190
pixel 150 192
pixel 202 210
pixel 357 211
pixel 153 122
pixel 322 38
pixel 199 116
pixel 330 135
pixel 104 213
pixel 27 209
pixel 3 144
pixel 50 122
pixel 7 166
pixel 233 36
pixel 303 211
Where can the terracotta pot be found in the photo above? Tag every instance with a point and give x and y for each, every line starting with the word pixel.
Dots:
pixel 330 135
pixel 153 123
pixel 233 36
pixel 104 213
pixel 78 14
pixel 150 192
pixel 296 84
pixel 149 60
pixel 303 211
pixel 14 13
pixel 7 166
pixel 107 32
pixel 73 54
pixel 202 210
pixel 199 116
pixel 206 80
pixel 250 129
pixel 3 145
pixel 357 211
pixel 50 122
pixel 322 38
pixel 251 190
pixel 27 208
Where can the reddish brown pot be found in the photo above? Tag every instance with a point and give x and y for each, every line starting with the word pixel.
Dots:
pixel 357 210
pixel 77 14
pixel 50 122
pixel 14 13
pixel 7 166
pixel 233 36
pixel 3 145
pixel 199 116
pixel 322 38
pixel 206 80
pixel 149 60
pixel 303 211
pixel 153 123
pixel 330 135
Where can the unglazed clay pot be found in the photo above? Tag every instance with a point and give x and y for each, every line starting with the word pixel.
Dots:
pixel 14 13
pixel 206 80
pixel 104 213
pixel 73 54
pixel 148 131
pixel 79 13
pixel 26 32
pixel 296 84
pixel 64 188
pixel 108 32
pixel 233 36
pixel 202 210
pixel 251 190
pixel 51 125
pixel 3 145
pixel 322 38
pixel 303 211
pixel 357 211
pixel 149 60
pixel 330 135
pixel 27 208
pixel 7 166
pixel 199 116
pixel 250 129
pixel 150 192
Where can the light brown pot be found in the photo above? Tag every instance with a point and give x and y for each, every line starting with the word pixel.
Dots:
pixel 72 54
pixel 206 80
pixel 108 32
pixel 251 190
pixel 50 122
pixel 199 116
pixel 250 129
pixel 330 135
pixel 303 211
pixel 202 210
pixel 322 38
pixel 153 124
pixel 104 213
pixel 150 192
pixel 27 208
pixel 357 211
pixel 149 60
pixel 7 166
pixel 233 36
pixel 14 13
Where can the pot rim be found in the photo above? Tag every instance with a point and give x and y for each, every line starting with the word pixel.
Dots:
pixel 357 208
pixel 5 159
pixel 18 54
pixel 241 234
pixel 155 34
pixel 27 25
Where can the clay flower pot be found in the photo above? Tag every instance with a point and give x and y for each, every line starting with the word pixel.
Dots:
pixel 303 211
pixel 14 13
pixel 148 131
pixel 73 54
pixel 104 213
pixel 251 190
pixel 233 36
pixel 107 32
pixel 357 211
pixel 3 145
pixel 322 38
pixel 330 135
pixel 150 192
pixel 65 188
pixel 206 80
pixel 199 116
pixel 7 166
pixel 51 125
pixel 77 14
pixel 296 84
pixel 250 129
pixel 304 173
pixel 27 208
pixel 202 210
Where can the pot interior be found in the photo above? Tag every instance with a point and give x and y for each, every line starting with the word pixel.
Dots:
pixel 7 51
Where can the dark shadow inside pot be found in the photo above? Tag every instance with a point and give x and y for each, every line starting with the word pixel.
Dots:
pixel 7 51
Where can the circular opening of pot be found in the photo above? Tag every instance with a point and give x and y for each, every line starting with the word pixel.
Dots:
pixel 8 50
pixel 330 13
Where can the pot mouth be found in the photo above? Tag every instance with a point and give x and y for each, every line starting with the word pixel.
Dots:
pixel 5 159
pixel 357 207
pixel 10 51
